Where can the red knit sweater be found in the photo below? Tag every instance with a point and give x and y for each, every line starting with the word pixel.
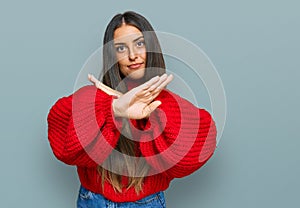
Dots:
pixel 177 139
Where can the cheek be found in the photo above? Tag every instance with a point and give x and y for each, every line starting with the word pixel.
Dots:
pixel 121 58
pixel 141 52
pixel 123 69
pixel 143 55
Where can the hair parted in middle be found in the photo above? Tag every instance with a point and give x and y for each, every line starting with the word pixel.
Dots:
pixel 155 61
pixel 112 77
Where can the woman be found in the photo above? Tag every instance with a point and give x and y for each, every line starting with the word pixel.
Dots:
pixel 128 136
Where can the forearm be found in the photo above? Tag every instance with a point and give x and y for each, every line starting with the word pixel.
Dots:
pixel 81 128
pixel 179 137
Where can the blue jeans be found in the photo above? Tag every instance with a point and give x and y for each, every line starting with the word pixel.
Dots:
pixel 88 199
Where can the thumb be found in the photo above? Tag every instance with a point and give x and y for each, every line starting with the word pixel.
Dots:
pixel 154 105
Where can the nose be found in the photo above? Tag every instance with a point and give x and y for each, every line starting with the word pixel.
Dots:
pixel 132 54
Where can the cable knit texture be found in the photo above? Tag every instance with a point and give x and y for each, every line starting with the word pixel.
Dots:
pixel 176 140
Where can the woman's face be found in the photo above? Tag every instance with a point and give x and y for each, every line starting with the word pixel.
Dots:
pixel 130 51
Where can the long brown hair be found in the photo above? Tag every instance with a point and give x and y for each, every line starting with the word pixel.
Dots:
pixel 112 77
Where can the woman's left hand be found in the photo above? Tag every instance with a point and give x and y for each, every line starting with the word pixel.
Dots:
pixel 139 102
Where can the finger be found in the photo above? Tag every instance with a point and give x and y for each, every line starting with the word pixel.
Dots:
pixel 148 95
pixel 153 106
pixel 103 87
pixel 117 93
pixel 159 86
pixel 161 80
pixel 142 94
pixel 155 94
pixel 109 90
pixel 158 90
pixel 96 82
pixel 146 100
pixel 149 83
pixel 92 78
pixel 165 83
pixel 162 83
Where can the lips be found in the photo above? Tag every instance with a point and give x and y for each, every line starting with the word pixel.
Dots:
pixel 135 66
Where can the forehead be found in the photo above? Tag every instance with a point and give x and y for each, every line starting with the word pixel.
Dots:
pixel 126 33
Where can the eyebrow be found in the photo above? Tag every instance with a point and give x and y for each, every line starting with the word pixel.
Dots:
pixel 132 41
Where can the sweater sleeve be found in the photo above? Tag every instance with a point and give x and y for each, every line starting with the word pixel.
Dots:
pixel 178 138
pixel 81 127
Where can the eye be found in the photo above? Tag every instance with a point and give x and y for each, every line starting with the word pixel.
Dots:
pixel 121 48
pixel 140 43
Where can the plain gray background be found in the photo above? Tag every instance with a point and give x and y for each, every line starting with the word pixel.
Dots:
pixel 255 48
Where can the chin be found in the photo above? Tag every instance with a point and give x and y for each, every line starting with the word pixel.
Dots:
pixel 137 74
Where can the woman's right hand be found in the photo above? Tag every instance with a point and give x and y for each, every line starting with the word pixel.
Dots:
pixel 103 87
pixel 138 102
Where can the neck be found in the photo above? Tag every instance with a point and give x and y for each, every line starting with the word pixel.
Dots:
pixel 132 83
